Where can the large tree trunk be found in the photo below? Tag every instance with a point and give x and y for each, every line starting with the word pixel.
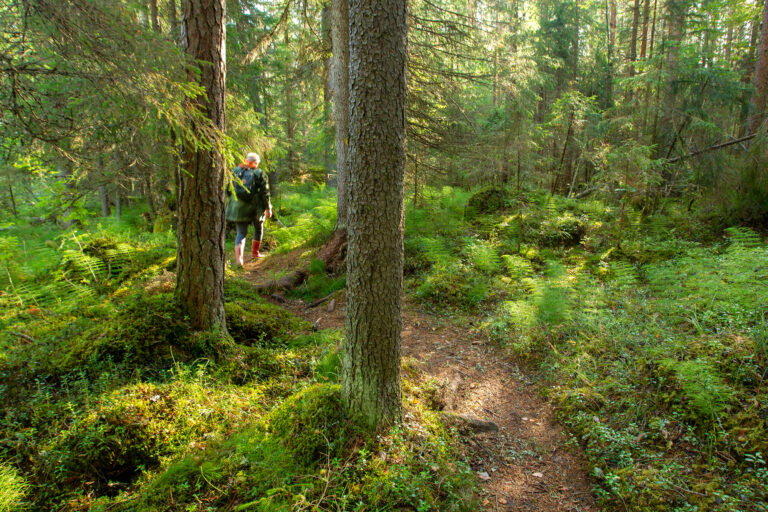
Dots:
pixel 340 86
pixel 200 261
pixel 371 369
pixel 757 106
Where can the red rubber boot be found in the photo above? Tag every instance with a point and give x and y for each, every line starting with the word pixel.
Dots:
pixel 255 249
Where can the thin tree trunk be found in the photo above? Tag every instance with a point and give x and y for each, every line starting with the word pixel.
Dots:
pixel 644 39
pixel 13 198
pixel 104 200
pixel 154 15
pixel 610 27
pixel 340 81
pixel 289 120
pixel 371 368
pixel 200 255
pixel 633 38
pixel 150 195
pixel 327 131
pixel 118 204
pixel 174 20
pixel 757 111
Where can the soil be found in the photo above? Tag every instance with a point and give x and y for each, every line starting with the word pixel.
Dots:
pixel 523 466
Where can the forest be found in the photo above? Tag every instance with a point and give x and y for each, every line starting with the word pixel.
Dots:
pixel 514 255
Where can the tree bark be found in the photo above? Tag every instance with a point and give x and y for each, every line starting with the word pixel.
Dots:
pixel 118 204
pixel 644 38
pixel 174 20
pixel 757 107
pixel 340 86
pixel 154 17
pixel 201 225
pixel 371 366
pixel 327 63
pixel 104 200
pixel 13 198
pixel 633 38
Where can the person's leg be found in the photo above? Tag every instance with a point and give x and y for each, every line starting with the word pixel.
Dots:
pixel 258 232
pixel 242 233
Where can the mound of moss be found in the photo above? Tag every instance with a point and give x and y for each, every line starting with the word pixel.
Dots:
pixel 486 200
pixel 133 428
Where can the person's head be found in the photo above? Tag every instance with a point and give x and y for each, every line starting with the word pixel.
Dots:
pixel 253 159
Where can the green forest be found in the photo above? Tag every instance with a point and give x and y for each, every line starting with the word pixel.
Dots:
pixel 384 255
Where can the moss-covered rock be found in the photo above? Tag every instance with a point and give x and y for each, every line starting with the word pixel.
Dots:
pixel 486 200
pixel 311 423
pixel 135 427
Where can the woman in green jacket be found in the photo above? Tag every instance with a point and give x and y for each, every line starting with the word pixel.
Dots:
pixel 249 204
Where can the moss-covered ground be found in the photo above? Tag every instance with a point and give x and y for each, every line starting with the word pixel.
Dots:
pixel 111 402
pixel 649 332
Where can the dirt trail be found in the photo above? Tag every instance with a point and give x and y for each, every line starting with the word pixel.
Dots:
pixel 524 466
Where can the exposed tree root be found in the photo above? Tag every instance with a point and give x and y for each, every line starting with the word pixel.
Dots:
pixel 333 255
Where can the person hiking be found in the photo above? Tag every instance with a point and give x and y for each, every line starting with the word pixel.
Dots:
pixel 247 204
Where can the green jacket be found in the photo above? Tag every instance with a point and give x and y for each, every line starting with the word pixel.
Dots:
pixel 240 211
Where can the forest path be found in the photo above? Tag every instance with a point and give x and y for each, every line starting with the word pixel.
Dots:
pixel 524 465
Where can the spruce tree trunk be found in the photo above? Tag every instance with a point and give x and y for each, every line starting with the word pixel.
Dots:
pixel 104 200
pixel 200 256
pixel 644 37
pixel 118 204
pixel 174 20
pixel 757 109
pixel 371 368
pixel 340 86
pixel 154 17
pixel 633 38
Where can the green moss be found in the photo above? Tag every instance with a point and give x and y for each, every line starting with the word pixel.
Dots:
pixel 13 488
pixel 259 323
pixel 133 428
pixel 311 423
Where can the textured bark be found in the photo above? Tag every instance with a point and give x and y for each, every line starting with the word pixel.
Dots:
pixel 200 262
pixel 371 368
pixel 340 87
pixel 757 109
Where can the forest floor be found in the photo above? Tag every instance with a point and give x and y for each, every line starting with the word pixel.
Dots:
pixel 525 465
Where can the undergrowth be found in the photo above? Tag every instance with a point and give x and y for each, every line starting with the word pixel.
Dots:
pixel 649 332
pixel 112 402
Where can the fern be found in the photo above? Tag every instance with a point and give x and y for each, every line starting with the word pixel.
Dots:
pixel 481 255
pixel 704 389
pixel 743 238
pixel 623 274
pixel 517 266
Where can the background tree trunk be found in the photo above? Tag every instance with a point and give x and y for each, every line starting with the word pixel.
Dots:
pixel 154 17
pixel 633 38
pixel 340 86
pixel 760 78
pixel 200 260
pixel 174 20
pixel 104 200
pixel 371 369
